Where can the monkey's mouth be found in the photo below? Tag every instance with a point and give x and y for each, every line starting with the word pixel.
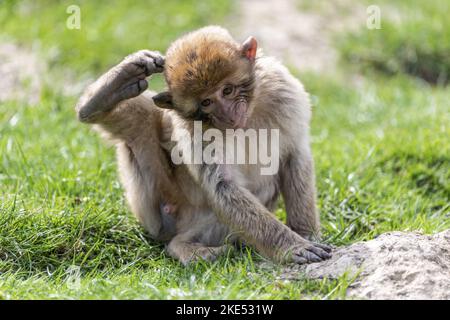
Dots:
pixel 235 117
pixel 239 115
pixel 241 122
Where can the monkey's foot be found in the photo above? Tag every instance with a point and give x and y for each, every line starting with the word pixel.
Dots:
pixel 124 81
pixel 128 78
pixel 187 252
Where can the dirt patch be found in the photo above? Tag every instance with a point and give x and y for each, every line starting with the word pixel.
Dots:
pixel 298 32
pixel 20 72
pixel 395 265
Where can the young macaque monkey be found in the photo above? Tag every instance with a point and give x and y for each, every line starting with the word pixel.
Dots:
pixel 198 209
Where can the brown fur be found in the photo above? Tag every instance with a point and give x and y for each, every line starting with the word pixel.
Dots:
pixel 198 62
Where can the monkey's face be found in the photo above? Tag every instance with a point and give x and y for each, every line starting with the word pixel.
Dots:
pixel 210 78
pixel 226 106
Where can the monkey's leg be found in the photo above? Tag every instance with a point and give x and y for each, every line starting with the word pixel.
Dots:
pixel 186 252
pixel 142 172
pixel 298 189
pixel 142 165
pixel 135 124
pixel 124 81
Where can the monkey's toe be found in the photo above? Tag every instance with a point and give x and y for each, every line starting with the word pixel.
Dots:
pixel 144 62
pixel 159 61
pixel 155 61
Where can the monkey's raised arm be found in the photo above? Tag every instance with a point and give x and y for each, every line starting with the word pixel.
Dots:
pixel 124 81
pixel 242 212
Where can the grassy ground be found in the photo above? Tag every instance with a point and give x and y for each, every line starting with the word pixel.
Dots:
pixel 381 148
pixel 416 42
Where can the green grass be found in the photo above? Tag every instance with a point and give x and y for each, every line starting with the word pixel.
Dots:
pixel 416 43
pixel 382 155
pixel 381 149
pixel 109 30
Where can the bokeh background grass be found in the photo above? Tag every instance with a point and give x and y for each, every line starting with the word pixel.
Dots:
pixel 381 146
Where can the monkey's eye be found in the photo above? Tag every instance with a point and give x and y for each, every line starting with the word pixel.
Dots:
pixel 227 90
pixel 206 102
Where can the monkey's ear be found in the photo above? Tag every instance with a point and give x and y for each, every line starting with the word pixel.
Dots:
pixel 249 48
pixel 163 100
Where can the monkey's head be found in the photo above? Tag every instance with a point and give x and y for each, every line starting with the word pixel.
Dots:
pixel 210 77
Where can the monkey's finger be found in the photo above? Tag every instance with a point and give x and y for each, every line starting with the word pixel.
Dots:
pixel 319 252
pixel 310 256
pixel 323 246
pixel 299 260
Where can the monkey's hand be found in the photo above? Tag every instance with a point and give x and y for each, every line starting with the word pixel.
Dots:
pixel 306 251
pixel 124 81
